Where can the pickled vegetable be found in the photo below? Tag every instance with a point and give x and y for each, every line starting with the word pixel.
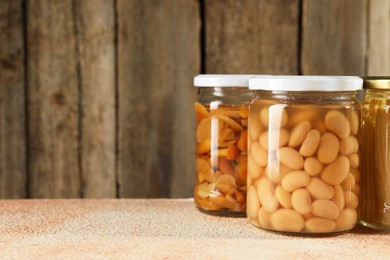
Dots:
pixel 222 163
pixel 311 157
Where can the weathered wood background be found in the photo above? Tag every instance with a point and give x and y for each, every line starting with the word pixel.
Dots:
pixel 96 96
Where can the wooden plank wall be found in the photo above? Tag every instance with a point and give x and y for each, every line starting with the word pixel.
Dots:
pixel 96 95
pixel 13 161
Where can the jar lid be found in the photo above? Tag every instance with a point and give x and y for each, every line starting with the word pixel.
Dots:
pixel 306 83
pixel 222 80
pixel 376 83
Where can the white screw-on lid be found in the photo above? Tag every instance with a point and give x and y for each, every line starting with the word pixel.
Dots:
pixel 222 80
pixel 306 83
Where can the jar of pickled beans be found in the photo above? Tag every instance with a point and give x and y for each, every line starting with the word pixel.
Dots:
pixel 221 143
pixel 375 209
pixel 303 154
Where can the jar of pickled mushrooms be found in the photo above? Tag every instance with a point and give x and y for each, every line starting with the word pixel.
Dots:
pixel 303 154
pixel 375 209
pixel 221 143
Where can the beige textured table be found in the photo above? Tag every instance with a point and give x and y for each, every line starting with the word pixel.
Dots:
pixel 159 228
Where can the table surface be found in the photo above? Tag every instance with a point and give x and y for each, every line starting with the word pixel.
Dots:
pixel 160 228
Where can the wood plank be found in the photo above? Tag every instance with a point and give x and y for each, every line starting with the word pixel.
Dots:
pixel 53 100
pixel 334 37
pixel 158 55
pixel 252 36
pixel 95 21
pixel 378 54
pixel 12 101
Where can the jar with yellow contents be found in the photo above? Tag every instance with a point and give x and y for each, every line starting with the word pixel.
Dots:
pixel 375 210
pixel 303 154
pixel 221 143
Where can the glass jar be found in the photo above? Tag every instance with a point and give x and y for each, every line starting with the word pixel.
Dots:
pixel 221 140
pixel 303 154
pixel 375 209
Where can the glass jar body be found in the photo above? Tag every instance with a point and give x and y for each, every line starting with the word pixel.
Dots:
pixel 221 153
pixel 303 161
pixel 375 209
